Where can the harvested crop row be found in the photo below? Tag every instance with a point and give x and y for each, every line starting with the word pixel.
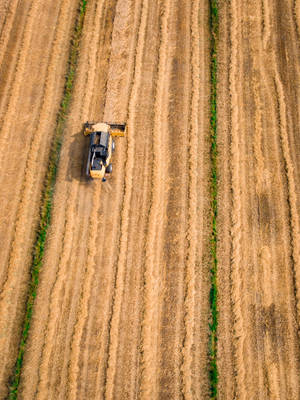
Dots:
pixel 31 95
pixel 258 351
pixel 113 344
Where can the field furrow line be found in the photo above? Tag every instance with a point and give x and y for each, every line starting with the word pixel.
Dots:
pixel 292 85
pixel 4 10
pixel 128 381
pixel 54 304
pixel 74 369
pixel 248 205
pixel 152 276
pixel 109 258
pixel 10 42
pixel 7 26
pixel 292 191
pixel 236 214
pixel 296 16
pixel 272 365
pixel 260 259
pixel 129 166
pixel 135 13
pixel 11 56
pixel 172 255
pixel 252 356
pixel 198 153
pixel 18 78
pixel 70 295
pixel 258 136
pixel 225 362
pixel 194 204
pixel 203 239
pixel 266 21
pixel 98 322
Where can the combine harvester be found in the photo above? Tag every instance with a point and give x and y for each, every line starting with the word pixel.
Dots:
pixel 101 147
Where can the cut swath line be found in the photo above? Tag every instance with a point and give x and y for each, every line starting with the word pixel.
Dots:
pixel 46 204
pixel 213 324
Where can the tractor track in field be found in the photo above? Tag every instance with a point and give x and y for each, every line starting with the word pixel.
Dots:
pixel 236 217
pixel 196 204
pixel 6 12
pixel 261 323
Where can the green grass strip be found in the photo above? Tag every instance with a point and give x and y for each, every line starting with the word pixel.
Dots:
pixel 213 324
pixel 47 197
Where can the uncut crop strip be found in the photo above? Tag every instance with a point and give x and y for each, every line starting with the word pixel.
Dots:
pixel 45 214
pixel 213 324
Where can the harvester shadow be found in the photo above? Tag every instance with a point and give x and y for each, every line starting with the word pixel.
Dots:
pixel 78 154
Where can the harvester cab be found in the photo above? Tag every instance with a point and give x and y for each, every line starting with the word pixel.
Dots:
pixel 101 147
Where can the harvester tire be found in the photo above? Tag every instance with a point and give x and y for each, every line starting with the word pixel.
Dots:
pixel 109 169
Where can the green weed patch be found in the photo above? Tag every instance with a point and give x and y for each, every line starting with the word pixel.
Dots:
pixel 213 324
